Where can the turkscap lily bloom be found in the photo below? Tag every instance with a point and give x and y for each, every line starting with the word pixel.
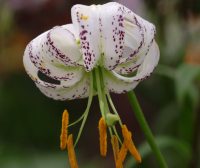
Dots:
pixel 107 48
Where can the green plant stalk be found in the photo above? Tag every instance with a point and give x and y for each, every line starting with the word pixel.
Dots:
pixel 145 128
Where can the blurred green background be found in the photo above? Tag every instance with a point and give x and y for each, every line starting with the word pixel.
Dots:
pixel 30 122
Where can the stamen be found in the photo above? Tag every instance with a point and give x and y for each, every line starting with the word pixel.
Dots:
pixel 63 135
pixel 103 136
pixel 115 147
pixel 71 153
pixel 129 144
pixel 121 156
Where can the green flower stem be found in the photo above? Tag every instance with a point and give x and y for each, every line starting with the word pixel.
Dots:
pixel 100 94
pixel 147 131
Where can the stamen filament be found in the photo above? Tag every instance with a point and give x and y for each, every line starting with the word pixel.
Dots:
pixel 113 107
pixel 103 137
pixel 71 153
pixel 77 121
pixel 116 133
pixel 87 109
pixel 64 131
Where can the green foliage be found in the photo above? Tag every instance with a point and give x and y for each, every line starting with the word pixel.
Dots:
pixel 185 78
pixel 180 147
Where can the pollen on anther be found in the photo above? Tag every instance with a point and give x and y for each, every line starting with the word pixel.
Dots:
pixel 64 131
pixel 115 147
pixel 121 156
pixel 71 153
pixel 129 143
pixel 103 137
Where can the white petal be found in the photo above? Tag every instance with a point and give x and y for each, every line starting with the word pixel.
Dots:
pixel 112 33
pixel 149 63
pixel 72 82
pixel 85 21
pixel 77 91
pixel 118 83
pixel 47 52
pixel 62 41
pixel 66 90
pixel 124 35
pixel 139 35
pixel 128 67
pixel 134 35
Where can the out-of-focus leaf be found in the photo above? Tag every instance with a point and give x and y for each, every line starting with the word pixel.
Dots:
pixel 33 160
pixel 185 77
pixel 181 147
pixel 6 19
pixel 165 70
pixel 166 117
pixel 187 97
pixel 175 39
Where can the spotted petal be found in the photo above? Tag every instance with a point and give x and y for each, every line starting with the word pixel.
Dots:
pixel 119 83
pixel 61 90
pixel 56 57
pixel 112 33
pixel 77 91
pixel 140 34
pixel 85 21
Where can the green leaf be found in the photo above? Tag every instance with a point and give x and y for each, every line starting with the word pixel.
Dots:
pixel 187 96
pixel 184 82
pixel 165 70
pixel 166 118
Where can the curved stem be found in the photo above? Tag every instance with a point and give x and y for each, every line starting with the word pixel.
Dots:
pixel 77 121
pixel 145 127
pixel 115 131
pixel 87 110
pixel 113 107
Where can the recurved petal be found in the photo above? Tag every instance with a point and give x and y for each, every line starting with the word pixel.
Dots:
pixel 77 91
pixel 139 35
pixel 124 35
pixel 63 45
pixel 149 63
pixel 116 83
pixel 134 35
pixel 50 52
pixel 111 21
pixel 121 83
pixel 129 67
pixel 85 21
pixel 75 86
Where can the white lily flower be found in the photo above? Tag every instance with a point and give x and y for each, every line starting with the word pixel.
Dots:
pixel 107 48
pixel 108 36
